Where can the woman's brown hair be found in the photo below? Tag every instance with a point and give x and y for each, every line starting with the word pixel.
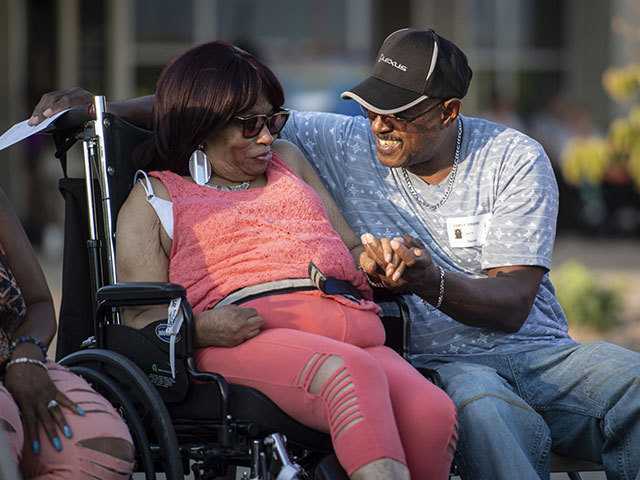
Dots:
pixel 198 94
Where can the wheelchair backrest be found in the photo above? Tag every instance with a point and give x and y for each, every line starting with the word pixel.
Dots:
pixel 78 287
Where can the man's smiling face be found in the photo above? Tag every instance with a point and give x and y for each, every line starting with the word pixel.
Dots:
pixel 409 137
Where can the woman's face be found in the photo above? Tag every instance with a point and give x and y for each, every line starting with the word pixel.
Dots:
pixel 236 158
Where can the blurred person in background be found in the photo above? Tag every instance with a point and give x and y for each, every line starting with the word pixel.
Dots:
pixel 555 126
pixel 480 202
pixel 56 425
pixel 502 110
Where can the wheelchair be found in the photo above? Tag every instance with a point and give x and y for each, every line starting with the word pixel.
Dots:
pixel 183 421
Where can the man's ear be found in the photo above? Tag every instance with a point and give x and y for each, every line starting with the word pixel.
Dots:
pixel 450 110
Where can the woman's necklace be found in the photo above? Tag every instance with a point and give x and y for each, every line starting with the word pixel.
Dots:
pixel 452 177
pixel 229 188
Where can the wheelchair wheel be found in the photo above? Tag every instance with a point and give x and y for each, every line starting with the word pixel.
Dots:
pixel 128 389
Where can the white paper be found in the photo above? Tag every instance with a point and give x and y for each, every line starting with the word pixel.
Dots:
pixel 22 130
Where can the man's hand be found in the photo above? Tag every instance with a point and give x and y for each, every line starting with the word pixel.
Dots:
pixel 226 326
pixel 54 102
pixel 400 264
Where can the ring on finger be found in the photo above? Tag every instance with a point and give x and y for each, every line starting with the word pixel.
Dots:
pixel 52 404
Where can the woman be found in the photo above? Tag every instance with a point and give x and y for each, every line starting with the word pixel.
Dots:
pixel 56 425
pixel 228 208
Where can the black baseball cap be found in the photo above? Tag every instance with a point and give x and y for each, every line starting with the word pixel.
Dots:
pixel 413 65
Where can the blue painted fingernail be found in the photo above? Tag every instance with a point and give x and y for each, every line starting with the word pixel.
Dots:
pixel 80 411
pixel 67 431
pixel 57 444
pixel 35 447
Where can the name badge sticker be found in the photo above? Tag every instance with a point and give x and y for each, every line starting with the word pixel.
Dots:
pixel 468 231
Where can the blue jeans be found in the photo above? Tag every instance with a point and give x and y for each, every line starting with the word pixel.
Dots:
pixel 579 400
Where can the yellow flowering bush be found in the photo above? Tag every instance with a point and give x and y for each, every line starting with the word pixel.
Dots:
pixel 586 160
pixel 622 84
pixel 589 159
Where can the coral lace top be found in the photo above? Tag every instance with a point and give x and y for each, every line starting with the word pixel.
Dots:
pixel 227 240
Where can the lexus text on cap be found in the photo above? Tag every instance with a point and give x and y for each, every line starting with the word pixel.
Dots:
pixel 413 65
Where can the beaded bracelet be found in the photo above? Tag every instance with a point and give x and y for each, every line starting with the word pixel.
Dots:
pixel 28 339
pixel 27 360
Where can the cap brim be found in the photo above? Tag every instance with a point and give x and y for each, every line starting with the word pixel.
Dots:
pixel 381 97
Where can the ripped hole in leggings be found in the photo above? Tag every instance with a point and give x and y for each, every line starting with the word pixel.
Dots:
pixel 347 426
pixel 335 384
pixel 309 367
pixel 115 447
pixel 80 390
pixel 330 366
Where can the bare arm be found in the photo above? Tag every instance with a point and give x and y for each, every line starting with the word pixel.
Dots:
pixel 29 384
pixel 143 256
pixel 136 110
pixel 297 161
pixel 500 301
pixel 40 319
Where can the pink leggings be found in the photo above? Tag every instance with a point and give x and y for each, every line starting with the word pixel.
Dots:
pixel 375 405
pixel 101 446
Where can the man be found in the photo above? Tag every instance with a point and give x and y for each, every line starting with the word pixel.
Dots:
pixel 480 200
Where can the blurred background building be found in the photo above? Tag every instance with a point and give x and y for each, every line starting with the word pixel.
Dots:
pixel 538 66
pixel 537 63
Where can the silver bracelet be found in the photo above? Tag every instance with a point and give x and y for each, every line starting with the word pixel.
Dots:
pixel 28 360
pixel 441 293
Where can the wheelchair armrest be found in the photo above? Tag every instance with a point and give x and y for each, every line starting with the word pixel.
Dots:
pixel 152 293
pixel 131 294
pixel 139 293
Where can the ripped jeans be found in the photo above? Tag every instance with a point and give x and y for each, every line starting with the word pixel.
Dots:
pixel 100 447
pixel 581 401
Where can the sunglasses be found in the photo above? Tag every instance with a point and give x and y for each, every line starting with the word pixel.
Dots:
pixel 252 125
pixel 400 120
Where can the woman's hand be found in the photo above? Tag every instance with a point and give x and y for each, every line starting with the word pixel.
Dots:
pixel 54 102
pixel 226 326
pixel 33 391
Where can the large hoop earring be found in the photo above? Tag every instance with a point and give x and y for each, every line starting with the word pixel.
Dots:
pixel 199 166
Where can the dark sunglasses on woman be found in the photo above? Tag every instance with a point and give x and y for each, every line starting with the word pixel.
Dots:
pixel 252 124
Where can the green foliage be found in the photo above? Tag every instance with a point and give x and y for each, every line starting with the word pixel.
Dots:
pixel 588 159
pixel 586 302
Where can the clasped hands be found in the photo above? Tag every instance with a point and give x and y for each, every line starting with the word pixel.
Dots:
pixel 400 264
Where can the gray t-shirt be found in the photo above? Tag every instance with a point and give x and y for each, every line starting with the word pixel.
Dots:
pixel 501 211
